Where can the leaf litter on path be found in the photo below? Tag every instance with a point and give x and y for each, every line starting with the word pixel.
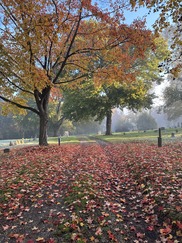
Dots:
pixel 91 193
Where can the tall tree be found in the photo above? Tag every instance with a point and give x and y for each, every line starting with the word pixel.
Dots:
pixel 173 92
pixel 170 19
pixel 98 101
pixel 146 122
pixel 46 43
pixel 173 100
pixel 174 63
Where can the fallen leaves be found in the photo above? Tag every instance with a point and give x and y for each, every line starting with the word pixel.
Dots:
pixel 98 231
pixel 116 193
pixel 165 231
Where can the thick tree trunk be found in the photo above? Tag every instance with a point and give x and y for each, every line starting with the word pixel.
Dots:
pixel 43 129
pixel 42 100
pixel 108 123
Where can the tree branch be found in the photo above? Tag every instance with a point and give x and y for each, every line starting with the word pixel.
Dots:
pixel 74 79
pixel 19 105
pixel 70 46
pixel 23 90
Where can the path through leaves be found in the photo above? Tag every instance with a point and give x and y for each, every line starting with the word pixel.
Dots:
pixel 91 193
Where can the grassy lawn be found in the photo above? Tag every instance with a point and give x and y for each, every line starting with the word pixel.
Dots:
pixel 70 139
pixel 134 136
pixel 151 135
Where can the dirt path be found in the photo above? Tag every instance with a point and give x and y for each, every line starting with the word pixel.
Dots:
pixel 87 192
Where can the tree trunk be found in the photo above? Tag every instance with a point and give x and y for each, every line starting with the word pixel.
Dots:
pixel 108 123
pixel 42 100
pixel 43 129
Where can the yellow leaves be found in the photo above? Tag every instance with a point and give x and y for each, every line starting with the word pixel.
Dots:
pixel 142 186
pixel 105 214
pixel 35 228
pixel 40 239
pixel 75 218
pixel 119 218
pixel 162 50
pixel 123 200
pixel 18 237
pixel 7 108
pixel 20 100
pixel 179 233
pixel 92 238
pixel 74 236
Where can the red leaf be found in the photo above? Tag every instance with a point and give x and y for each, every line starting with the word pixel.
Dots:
pixel 51 241
pixel 111 236
pixel 150 228
pixel 179 224
pixel 165 231
pixel 133 228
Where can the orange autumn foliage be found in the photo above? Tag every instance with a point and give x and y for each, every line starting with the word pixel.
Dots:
pixel 47 43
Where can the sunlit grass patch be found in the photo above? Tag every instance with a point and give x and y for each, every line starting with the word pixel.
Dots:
pixel 148 136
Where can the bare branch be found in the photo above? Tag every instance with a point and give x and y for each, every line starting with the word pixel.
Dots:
pixel 74 79
pixel 70 47
pixel 54 3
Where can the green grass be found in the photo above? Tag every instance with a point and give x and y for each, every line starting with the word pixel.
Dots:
pixel 70 139
pixel 133 136
pixel 79 194
pixel 151 135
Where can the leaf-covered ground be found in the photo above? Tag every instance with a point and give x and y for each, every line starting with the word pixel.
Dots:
pixel 91 193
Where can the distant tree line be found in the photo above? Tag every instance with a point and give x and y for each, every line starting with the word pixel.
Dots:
pixel 27 127
pixel 12 128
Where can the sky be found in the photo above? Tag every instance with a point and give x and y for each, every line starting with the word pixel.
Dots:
pixel 130 16
pixel 150 20
pixel 140 13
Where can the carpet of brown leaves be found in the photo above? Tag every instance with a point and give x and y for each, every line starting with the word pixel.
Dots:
pixel 91 193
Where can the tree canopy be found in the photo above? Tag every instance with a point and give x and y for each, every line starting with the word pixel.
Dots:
pixel 47 43
pixel 80 104
pixel 172 100
pixel 146 122
pixel 170 21
pixel 170 11
pixel 90 100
